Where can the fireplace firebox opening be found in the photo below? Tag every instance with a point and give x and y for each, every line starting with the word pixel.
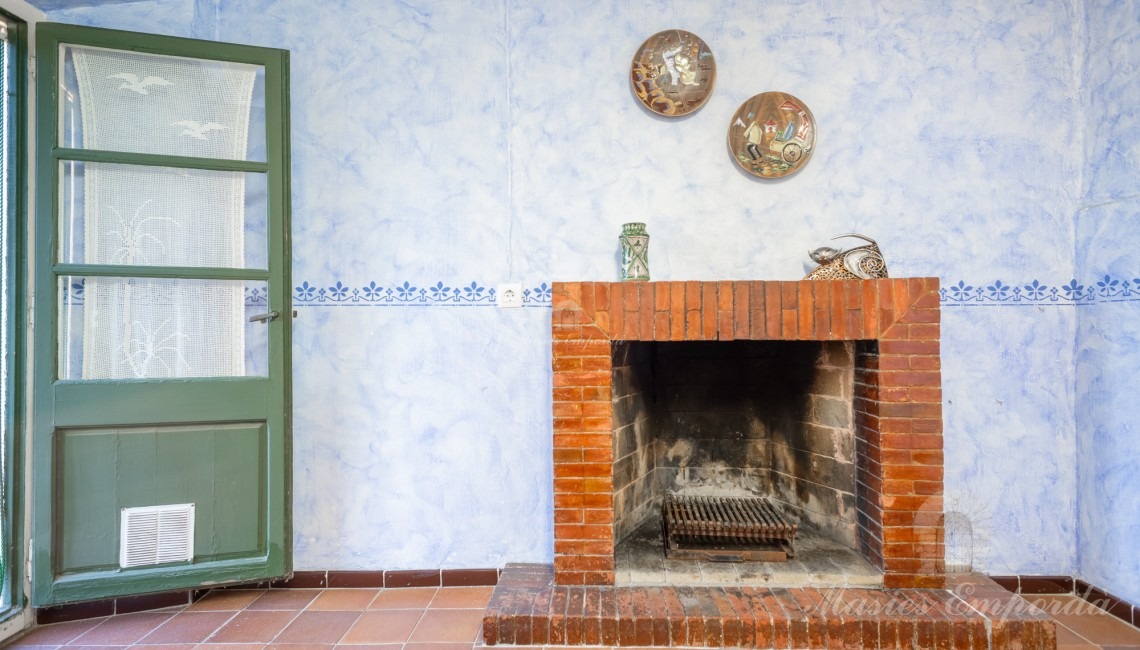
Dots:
pixel 771 420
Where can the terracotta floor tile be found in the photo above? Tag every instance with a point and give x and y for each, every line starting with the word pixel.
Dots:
pixel 411 598
pixel 253 627
pixel 188 627
pixel 226 600
pixel 343 600
pixel 462 597
pixel 1063 605
pixel 57 633
pixel 307 619
pixel 385 626
pixel 450 625
pixel 318 627
pixel 122 630
pixel 1102 629
pixel 284 599
pixel 1065 636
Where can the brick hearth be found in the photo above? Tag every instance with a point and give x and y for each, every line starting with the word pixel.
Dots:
pixel 527 609
pixel 897 405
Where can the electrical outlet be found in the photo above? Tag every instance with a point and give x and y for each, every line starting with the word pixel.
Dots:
pixel 509 295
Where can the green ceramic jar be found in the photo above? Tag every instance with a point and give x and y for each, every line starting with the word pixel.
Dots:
pixel 634 252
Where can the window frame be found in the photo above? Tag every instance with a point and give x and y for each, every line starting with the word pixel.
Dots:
pixel 16 615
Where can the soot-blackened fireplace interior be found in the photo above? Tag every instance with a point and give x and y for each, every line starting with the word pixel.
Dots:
pixel 745 433
pixel 822 397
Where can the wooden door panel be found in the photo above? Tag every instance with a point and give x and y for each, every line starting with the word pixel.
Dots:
pixel 221 468
pixel 156 385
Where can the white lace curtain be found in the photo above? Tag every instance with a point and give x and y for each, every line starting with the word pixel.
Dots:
pixel 159 216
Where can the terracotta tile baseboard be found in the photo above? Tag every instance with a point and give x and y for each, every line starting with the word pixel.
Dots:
pixel 111 606
pixel 389 579
pixel 1118 607
pixel 299 580
pixel 1041 585
pixel 1036 585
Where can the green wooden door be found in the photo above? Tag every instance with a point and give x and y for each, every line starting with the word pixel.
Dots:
pixel 162 314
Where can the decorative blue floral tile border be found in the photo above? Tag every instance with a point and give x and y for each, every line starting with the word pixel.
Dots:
pixel 1106 289
pixel 997 293
pixel 410 295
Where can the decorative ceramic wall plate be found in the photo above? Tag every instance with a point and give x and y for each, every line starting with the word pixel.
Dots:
pixel 673 73
pixel 772 135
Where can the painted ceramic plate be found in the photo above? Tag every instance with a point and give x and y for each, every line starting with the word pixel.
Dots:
pixel 772 135
pixel 673 73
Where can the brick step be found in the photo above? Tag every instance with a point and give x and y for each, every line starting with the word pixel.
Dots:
pixel 527 609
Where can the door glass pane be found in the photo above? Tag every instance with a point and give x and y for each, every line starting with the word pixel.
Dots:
pixel 153 328
pixel 147 103
pixel 161 216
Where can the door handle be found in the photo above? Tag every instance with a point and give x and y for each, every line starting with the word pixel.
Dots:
pixel 264 318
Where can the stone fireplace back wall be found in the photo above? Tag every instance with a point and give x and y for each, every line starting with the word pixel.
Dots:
pixel 744 418
pixel 897 401
pixel 812 445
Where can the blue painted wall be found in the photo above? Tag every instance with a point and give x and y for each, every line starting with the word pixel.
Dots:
pixel 452 146
pixel 1108 342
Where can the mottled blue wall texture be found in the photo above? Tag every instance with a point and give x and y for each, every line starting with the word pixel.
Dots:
pixel 442 147
pixel 1108 335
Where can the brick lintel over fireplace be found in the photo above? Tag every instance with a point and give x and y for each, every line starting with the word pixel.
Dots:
pixel 897 404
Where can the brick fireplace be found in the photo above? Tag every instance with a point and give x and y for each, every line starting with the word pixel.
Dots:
pixel 888 328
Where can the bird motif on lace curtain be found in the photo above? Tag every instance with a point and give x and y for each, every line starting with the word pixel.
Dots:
pixel 132 82
pixel 197 129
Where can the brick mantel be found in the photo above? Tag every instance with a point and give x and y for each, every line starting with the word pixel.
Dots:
pixel 898 407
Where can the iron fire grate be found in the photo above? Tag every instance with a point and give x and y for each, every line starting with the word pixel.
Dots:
pixel 726 529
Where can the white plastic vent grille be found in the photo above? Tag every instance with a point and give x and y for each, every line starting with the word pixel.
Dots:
pixel 156 535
